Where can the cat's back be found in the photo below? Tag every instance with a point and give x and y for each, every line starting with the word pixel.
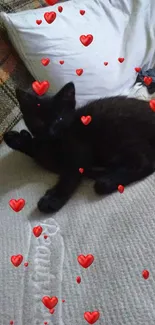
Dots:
pixel 117 116
pixel 118 110
pixel 117 107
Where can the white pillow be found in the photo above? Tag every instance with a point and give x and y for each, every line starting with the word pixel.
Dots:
pixel 120 29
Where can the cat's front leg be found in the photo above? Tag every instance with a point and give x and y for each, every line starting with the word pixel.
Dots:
pixel 77 155
pixel 55 198
pixel 20 141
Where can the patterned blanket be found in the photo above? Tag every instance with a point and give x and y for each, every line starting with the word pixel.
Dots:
pixel 12 70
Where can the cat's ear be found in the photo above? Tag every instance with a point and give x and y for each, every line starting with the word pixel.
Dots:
pixel 67 93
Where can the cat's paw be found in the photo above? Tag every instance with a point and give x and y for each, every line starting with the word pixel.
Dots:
pixel 17 140
pixel 25 135
pixel 13 139
pixel 104 186
pixel 50 203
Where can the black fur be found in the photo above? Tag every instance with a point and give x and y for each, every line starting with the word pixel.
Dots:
pixel 117 147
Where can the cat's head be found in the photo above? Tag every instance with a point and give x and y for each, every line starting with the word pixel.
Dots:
pixel 46 115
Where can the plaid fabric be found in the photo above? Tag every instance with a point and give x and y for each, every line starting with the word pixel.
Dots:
pixel 12 71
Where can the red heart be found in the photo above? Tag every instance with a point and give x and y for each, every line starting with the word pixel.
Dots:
pixel 121 60
pixel 147 80
pixel 50 302
pixel 37 231
pixel 52 311
pixel 38 21
pixel 61 62
pixel 60 9
pixel 145 274
pixel 105 63
pixel 85 261
pixel 45 236
pixel 120 188
pixel 17 205
pixel 86 39
pixel 40 88
pixel 82 12
pixel 81 170
pixel 45 61
pixel 16 260
pixel 51 2
pixel 50 16
pixel 138 69
pixel 79 72
pixel 26 264
pixel 91 317
pixel 86 119
pixel 78 279
pixel 152 104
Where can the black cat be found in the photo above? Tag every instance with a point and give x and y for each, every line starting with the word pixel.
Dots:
pixel 116 147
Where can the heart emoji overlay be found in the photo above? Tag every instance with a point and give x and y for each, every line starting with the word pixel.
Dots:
pixel 138 69
pixel 37 231
pixel 91 317
pixel 50 302
pixel 51 2
pixel 45 61
pixel 38 21
pixel 82 12
pixel 26 264
pixel 16 260
pixel 121 60
pixel 145 274
pixel 79 72
pixel 17 205
pixel 120 188
pixel 86 39
pixel 78 279
pixel 147 80
pixel 50 16
pixel 85 261
pixel 86 119
pixel 60 8
pixel 40 88
pixel 152 104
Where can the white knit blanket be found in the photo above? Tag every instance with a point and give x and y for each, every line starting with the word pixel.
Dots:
pixel 119 231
